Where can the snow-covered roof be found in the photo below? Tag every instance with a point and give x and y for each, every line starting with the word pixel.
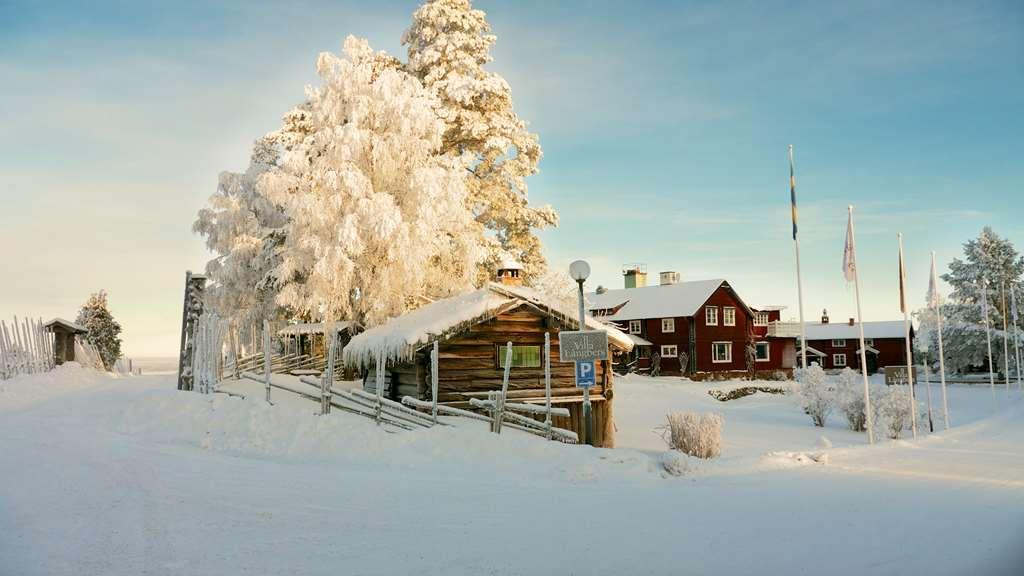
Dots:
pixel 869 348
pixel 400 338
pixel 884 329
pixel 67 324
pixel 812 350
pixel 509 263
pixel 638 341
pixel 661 301
pixel 312 328
pixel 771 308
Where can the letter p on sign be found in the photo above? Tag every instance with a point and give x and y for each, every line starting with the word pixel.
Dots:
pixel 586 376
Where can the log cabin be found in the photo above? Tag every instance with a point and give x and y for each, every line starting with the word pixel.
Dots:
pixel 700 329
pixel 472 331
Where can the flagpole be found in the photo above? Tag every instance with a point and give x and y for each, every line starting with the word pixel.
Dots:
pixel 942 353
pixel 906 339
pixel 860 324
pixel 1006 341
pixel 1016 335
pixel 796 247
pixel 988 341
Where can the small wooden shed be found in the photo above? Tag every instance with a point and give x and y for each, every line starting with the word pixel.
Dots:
pixel 308 338
pixel 64 334
pixel 472 331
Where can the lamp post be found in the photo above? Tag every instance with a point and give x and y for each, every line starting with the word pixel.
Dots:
pixel 579 271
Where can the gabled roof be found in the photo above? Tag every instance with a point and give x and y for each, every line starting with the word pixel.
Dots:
pixel 400 338
pixel 661 301
pixel 812 350
pixel 70 326
pixel 312 328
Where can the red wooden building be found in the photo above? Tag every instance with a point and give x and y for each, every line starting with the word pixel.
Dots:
pixel 705 323
pixel 835 346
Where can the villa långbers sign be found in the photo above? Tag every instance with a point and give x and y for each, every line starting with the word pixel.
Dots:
pixel 581 345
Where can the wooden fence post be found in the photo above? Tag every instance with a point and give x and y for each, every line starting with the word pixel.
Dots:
pixel 499 414
pixel 266 357
pixel 547 385
pixel 433 382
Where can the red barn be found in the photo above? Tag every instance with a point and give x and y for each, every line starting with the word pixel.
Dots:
pixel 706 322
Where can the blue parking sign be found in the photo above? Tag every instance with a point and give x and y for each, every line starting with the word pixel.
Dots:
pixel 586 376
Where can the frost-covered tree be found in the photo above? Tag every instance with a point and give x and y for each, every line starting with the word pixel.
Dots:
pixel 378 221
pixel 449 42
pixel 103 329
pixel 991 262
pixel 850 399
pixel 243 229
pixel 817 396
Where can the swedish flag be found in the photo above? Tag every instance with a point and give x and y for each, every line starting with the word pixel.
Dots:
pixel 792 190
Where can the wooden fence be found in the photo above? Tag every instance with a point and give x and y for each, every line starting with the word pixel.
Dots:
pixel 25 348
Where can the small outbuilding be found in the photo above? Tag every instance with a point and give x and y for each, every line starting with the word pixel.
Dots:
pixel 472 331
pixel 64 334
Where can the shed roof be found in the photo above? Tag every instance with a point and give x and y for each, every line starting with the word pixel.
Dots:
pixel 883 329
pixel 70 326
pixel 401 337
pixel 661 301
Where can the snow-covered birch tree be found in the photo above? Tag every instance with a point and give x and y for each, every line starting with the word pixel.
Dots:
pixel 374 207
pixel 449 42
pixel 990 262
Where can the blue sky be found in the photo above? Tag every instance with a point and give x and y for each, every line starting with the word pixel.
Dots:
pixel 664 127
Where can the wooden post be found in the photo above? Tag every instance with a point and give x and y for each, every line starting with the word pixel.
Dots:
pixel 499 412
pixel 327 378
pixel 547 385
pixel 433 382
pixel 266 358
pixel 380 385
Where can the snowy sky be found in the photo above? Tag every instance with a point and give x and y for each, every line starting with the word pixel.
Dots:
pixel 664 127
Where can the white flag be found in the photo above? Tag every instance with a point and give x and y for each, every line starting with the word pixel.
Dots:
pixel 984 303
pixel 849 257
pixel 933 289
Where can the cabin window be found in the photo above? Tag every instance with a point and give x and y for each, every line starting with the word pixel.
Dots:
pixel 839 360
pixel 635 326
pixel 839 343
pixel 869 341
pixel 669 351
pixel 522 356
pixel 721 352
pixel 760 318
pixel 763 350
pixel 668 325
pixel 711 315
pixel 729 316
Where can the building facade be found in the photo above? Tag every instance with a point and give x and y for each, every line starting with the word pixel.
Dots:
pixel 836 345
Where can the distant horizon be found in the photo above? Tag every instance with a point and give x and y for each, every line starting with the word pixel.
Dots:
pixel 664 127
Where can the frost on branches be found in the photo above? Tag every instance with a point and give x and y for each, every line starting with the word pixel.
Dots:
pixel 378 218
pixel 816 395
pixel 242 229
pixel 989 261
pixel 449 43
pixel 103 329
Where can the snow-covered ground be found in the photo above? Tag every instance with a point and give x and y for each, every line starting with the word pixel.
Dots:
pixel 107 475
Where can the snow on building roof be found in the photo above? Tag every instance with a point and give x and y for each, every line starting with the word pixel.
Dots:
pixel 69 325
pixel 771 308
pixel 509 263
pixel 869 348
pixel 661 301
pixel 884 329
pixel 400 338
pixel 812 350
pixel 311 328
pixel 638 341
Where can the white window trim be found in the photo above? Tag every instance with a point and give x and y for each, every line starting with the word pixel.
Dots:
pixel 728 349
pixel 835 360
pixel 709 312
pixel 725 317
pixel 672 325
pixel 638 324
pixel 843 340
pixel 869 341
pixel 760 318
pixel 666 355
pixel 768 354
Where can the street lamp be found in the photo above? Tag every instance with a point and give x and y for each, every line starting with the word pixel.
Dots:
pixel 580 271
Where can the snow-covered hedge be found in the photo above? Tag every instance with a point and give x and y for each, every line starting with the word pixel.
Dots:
pixel 817 397
pixel 850 398
pixel 695 434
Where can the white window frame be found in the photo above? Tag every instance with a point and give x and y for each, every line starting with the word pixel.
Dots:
pixel 836 360
pixel 836 340
pixel 869 341
pixel 728 350
pixel 675 351
pixel 767 353
pixel 711 315
pixel 635 327
pixel 728 311
pixel 760 318
pixel 670 323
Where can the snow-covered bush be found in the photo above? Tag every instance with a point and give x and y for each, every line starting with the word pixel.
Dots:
pixel 695 434
pixel 816 395
pixel 675 464
pixel 779 376
pixel 850 399
pixel 891 409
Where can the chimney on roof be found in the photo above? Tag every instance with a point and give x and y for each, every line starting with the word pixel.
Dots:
pixel 601 289
pixel 510 272
pixel 824 316
pixel 669 277
pixel 634 275
pixel 852 322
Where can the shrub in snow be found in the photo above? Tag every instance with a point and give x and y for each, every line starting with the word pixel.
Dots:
pixel 695 434
pixel 816 395
pixel 674 463
pixel 850 398
pixel 891 409
pixel 779 376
